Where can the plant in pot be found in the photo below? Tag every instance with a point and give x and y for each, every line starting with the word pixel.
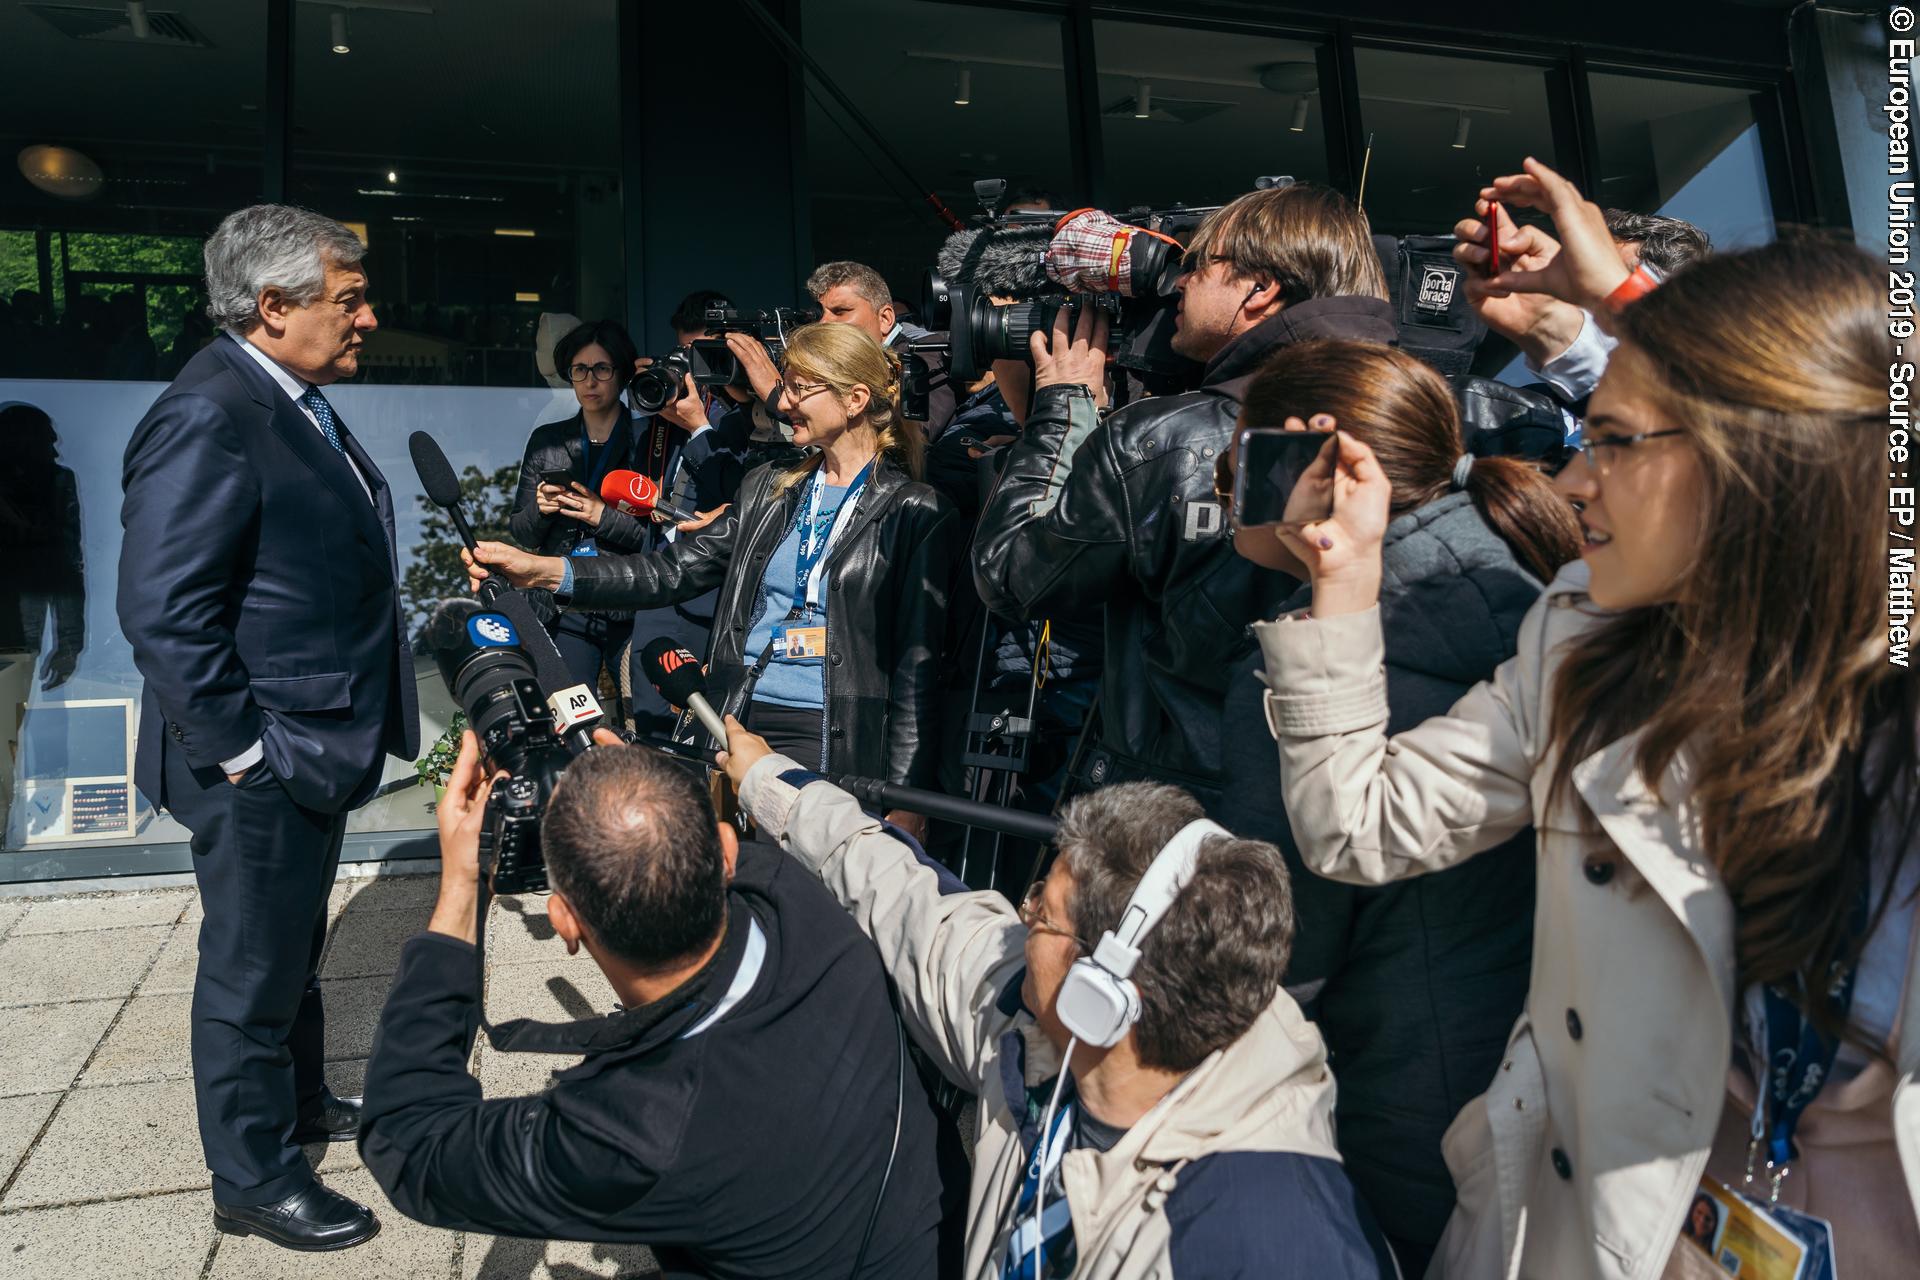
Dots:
pixel 435 766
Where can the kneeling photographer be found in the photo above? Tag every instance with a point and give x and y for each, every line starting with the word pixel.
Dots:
pixel 1120 510
pixel 748 1111
pixel 1152 1104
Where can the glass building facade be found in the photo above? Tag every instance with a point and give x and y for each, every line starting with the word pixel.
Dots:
pixel 511 165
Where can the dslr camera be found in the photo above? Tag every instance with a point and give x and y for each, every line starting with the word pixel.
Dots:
pixel 709 361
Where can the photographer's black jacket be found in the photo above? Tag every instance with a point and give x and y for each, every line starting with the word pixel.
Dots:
pixel 751 1147
pixel 1122 513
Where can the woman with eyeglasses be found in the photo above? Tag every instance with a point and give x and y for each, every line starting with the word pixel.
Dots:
pixel 833 573
pixel 557 509
pixel 1414 985
pixel 1710 727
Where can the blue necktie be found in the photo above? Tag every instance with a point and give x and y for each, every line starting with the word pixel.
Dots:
pixel 323 414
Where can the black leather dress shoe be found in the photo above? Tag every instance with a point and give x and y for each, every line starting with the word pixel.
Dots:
pixel 334 1120
pixel 311 1220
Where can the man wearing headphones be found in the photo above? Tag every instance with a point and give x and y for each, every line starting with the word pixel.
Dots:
pixel 1152 1103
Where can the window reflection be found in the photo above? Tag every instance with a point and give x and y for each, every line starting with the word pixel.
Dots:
pixel 1195 116
pixel 1442 128
pixel 1685 150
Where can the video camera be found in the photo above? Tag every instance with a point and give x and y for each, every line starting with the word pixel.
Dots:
pixel 709 361
pixel 1009 275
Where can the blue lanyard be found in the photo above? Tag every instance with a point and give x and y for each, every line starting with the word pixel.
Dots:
pixel 1799 1062
pixel 1028 1247
pixel 810 556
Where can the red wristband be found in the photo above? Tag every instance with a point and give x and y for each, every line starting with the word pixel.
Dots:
pixel 1635 287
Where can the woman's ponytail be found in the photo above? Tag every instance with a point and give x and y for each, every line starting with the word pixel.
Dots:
pixel 1520 504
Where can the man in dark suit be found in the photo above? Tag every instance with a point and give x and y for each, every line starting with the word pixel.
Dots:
pixel 258 590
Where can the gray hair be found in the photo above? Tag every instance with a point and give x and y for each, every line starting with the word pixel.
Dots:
pixel 1213 963
pixel 863 279
pixel 272 246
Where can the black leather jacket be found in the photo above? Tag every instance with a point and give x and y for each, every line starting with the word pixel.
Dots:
pixel 888 580
pixel 1122 513
pixel 555 446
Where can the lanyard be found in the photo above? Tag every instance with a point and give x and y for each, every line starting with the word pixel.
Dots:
pixel 1798 1063
pixel 1027 1247
pixel 810 559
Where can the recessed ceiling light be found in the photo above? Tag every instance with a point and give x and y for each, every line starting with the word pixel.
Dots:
pixel 513 231
pixel 392 176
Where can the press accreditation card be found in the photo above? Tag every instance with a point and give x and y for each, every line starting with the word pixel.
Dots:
pixel 793 643
pixel 1754 1242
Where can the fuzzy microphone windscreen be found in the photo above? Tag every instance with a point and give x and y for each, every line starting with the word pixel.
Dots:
pixel 1011 262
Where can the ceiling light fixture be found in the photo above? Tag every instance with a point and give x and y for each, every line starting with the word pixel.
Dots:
pixel 1460 128
pixel 392 176
pixel 963 87
pixel 339 22
pixel 137 19
pixel 1299 124
pixel 1142 101
pixel 523 232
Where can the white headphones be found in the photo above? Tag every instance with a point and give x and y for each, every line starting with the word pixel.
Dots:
pixel 1098 1001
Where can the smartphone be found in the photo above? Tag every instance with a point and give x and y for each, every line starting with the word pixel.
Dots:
pixel 561 479
pixel 1267 464
pixel 1493 238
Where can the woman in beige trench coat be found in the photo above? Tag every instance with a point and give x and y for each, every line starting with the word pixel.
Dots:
pixel 1703 723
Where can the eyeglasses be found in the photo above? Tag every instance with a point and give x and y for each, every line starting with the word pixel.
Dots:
pixel 1602 461
pixel 1036 922
pixel 598 372
pixel 797 391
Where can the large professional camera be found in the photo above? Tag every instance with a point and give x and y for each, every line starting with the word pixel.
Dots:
pixel 492 679
pixel 709 361
pixel 1009 275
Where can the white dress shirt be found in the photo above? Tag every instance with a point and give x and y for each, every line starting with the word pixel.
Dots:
pixel 294 389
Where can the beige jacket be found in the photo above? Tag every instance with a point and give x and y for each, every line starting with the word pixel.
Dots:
pixel 957 959
pixel 1582 1157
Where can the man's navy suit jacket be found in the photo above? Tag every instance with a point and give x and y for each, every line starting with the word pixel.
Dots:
pixel 259 589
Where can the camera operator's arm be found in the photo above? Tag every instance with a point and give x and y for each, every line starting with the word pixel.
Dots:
pixel 753 357
pixel 949 951
pixel 1055 535
pixel 444 1154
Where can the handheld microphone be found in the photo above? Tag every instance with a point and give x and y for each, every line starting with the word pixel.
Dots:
pixel 675 674
pixel 639 495
pixel 575 709
pixel 441 485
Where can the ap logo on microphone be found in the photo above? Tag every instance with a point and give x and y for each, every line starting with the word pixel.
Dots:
pixel 491 631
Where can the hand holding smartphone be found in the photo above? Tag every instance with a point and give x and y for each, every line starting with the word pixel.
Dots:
pixel 1268 464
pixel 1493 237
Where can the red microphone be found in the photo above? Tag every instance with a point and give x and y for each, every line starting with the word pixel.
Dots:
pixel 638 495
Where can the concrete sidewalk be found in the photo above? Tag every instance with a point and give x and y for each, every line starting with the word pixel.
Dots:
pixel 100 1166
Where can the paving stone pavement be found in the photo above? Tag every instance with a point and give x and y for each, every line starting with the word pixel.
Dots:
pixel 100 1166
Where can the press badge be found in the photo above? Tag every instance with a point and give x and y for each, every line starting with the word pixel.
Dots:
pixel 793 642
pixel 1754 1241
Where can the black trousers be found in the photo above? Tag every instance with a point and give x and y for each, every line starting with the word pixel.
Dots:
pixel 590 641
pixel 792 731
pixel 264 865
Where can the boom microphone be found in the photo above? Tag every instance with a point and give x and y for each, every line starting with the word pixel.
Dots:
pixel 675 674
pixel 638 495
pixel 1009 262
